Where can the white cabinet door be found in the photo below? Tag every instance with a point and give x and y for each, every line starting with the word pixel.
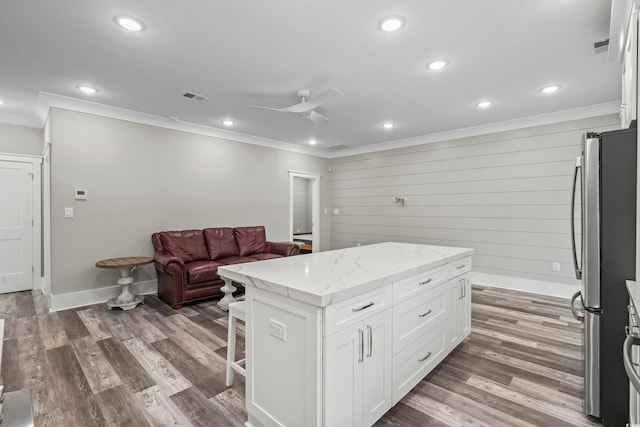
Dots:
pixel 464 308
pixel 343 358
pixel 377 367
pixel 357 383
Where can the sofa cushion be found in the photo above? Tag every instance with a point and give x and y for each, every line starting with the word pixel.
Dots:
pixel 251 240
pixel 188 245
pixel 260 257
pixel 221 243
pixel 202 271
pixel 235 260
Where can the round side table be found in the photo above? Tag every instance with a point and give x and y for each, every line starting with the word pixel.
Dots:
pixel 126 300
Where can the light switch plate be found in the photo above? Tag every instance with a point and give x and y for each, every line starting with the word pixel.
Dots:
pixel 68 213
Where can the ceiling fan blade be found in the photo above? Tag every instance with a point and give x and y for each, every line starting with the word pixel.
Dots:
pixel 318 118
pixel 268 108
pixel 321 98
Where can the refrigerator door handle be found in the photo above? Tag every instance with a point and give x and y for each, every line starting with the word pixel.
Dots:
pixel 578 316
pixel 577 268
pixel 629 342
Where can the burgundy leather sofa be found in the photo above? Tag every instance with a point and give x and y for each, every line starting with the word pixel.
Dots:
pixel 187 261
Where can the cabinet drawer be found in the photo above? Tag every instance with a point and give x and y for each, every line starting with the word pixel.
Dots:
pixel 458 267
pixel 413 363
pixel 339 316
pixel 415 317
pixel 408 288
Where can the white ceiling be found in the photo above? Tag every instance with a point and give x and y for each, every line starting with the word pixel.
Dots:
pixel 256 52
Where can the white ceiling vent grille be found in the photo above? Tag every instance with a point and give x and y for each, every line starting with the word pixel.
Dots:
pixel 194 96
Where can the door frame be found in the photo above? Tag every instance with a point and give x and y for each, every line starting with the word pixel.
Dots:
pixel 37 280
pixel 315 206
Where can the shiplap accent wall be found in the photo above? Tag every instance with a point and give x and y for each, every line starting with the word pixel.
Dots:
pixel 507 195
pixel 301 205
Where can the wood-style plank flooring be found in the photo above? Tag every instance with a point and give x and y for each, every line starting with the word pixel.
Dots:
pixel 155 366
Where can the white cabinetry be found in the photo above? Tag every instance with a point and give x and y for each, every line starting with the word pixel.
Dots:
pixel 357 380
pixel 337 338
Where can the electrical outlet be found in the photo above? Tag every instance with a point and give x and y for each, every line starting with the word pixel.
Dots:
pixel 68 213
pixel 555 266
pixel 336 211
pixel 278 329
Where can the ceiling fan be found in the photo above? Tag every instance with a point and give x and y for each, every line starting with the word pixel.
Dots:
pixel 306 108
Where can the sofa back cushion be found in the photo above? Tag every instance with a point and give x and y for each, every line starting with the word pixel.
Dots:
pixel 221 243
pixel 251 240
pixel 188 245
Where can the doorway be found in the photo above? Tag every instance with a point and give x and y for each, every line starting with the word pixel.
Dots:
pixel 18 212
pixel 304 210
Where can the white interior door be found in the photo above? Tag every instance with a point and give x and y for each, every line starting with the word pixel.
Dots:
pixel 16 226
pixel 313 205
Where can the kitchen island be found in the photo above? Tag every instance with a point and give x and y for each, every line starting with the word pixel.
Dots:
pixel 337 338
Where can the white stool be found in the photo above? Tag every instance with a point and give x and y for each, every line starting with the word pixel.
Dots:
pixel 236 311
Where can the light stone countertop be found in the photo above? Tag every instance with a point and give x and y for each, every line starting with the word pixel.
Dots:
pixel 324 278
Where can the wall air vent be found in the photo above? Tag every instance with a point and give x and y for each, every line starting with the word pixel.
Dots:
pixel 194 96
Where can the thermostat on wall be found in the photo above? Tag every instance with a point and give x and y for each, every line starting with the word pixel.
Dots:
pixel 81 194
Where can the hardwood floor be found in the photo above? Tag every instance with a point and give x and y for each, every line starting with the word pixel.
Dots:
pixel 155 366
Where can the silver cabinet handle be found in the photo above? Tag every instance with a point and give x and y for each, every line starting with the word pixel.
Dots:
pixel 428 312
pixel 370 330
pixel 575 313
pixel 425 358
pixel 461 289
pixel 361 346
pixel 464 288
pixel 363 307
pixel 425 282
pixel 461 266
pixel 629 342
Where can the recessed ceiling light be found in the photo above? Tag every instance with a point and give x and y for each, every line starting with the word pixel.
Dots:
pixel 87 89
pixel 129 23
pixel 388 125
pixel 392 23
pixel 312 142
pixel 228 122
pixel 437 65
pixel 2 102
pixel 484 104
pixel 550 89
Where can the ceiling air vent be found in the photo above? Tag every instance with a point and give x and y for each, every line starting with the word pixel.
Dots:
pixel 194 96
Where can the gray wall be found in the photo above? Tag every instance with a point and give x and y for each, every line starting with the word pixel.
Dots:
pixel 302 203
pixel 140 179
pixel 20 140
pixel 507 195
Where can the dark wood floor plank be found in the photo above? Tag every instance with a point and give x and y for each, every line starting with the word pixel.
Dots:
pixel 202 412
pixel 402 415
pixel 72 324
pixel 119 409
pixel 68 379
pixel 126 366
pixel 12 380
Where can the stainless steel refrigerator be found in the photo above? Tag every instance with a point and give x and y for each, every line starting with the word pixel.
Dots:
pixel 603 218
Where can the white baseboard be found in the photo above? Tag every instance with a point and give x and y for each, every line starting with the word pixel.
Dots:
pixel 97 296
pixel 562 290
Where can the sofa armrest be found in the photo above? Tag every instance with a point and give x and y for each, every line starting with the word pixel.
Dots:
pixel 284 249
pixel 164 259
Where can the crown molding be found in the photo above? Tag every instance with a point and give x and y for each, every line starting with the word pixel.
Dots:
pixel 48 100
pixel 521 123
